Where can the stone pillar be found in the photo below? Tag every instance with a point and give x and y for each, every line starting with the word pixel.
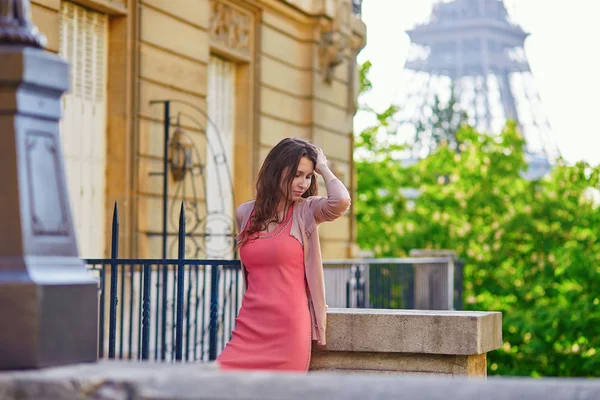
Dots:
pixel 48 300
pixel 409 342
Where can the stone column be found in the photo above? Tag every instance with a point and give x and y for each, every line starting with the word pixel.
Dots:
pixel 48 300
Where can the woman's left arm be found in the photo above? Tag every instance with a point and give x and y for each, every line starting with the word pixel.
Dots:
pixel 337 201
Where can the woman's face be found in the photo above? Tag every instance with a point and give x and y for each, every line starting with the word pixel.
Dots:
pixel 303 178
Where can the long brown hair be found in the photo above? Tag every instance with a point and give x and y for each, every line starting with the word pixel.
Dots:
pixel 274 183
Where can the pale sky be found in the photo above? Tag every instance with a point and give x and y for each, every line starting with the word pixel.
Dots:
pixel 563 51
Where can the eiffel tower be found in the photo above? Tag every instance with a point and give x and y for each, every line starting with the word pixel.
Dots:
pixel 475 48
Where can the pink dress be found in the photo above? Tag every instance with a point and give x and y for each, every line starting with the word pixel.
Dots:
pixel 273 328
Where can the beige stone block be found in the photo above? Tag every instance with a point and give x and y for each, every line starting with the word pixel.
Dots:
pixel 326 8
pixel 170 70
pixel 150 91
pixel 334 250
pixel 310 7
pixel 53 4
pixel 341 72
pixel 477 365
pixel 119 137
pixel 359 28
pixel 48 22
pixel 283 106
pixel 341 170
pixel 335 145
pixel 150 181
pixel 336 230
pixel 150 246
pixel 335 93
pixel 110 7
pixel 414 331
pixel 289 26
pixel 286 49
pixel 398 363
pixel 150 215
pixel 174 35
pixel 332 118
pixel 262 154
pixel 195 12
pixel 281 76
pixel 273 130
pixel 152 139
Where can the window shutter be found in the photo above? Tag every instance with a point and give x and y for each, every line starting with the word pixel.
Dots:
pixel 221 111
pixel 83 43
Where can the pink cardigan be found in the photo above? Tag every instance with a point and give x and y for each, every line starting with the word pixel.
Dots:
pixel 307 215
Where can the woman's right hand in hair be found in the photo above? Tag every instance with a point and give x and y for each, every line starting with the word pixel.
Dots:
pixel 321 162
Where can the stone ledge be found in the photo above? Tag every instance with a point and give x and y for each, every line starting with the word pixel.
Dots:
pixel 399 363
pixel 413 331
pixel 149 381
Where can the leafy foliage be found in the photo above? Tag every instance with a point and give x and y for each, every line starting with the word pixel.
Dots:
pixel 373 140
pixel 442 125
pixel 531 248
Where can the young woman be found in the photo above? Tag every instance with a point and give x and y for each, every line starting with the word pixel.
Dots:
pixel 283 308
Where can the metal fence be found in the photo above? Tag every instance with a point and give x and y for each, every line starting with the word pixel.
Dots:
pixel 174 309
pixel 433 283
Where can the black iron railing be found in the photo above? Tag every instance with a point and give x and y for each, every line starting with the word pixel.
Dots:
pixel 166 310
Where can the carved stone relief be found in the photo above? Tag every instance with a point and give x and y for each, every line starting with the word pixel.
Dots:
pixel 230 27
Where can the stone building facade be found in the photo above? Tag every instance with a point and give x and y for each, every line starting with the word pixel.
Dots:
pixel 240 75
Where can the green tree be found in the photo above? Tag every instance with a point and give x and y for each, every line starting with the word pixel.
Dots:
pixel 531 248
pixel 442 125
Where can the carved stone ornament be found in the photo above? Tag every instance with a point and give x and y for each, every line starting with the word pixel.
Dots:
pixel 334 41
pixel 230 27
pixel 331 53
pixel 16 26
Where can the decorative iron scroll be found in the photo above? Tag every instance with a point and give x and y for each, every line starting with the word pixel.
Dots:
pixel 210 225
